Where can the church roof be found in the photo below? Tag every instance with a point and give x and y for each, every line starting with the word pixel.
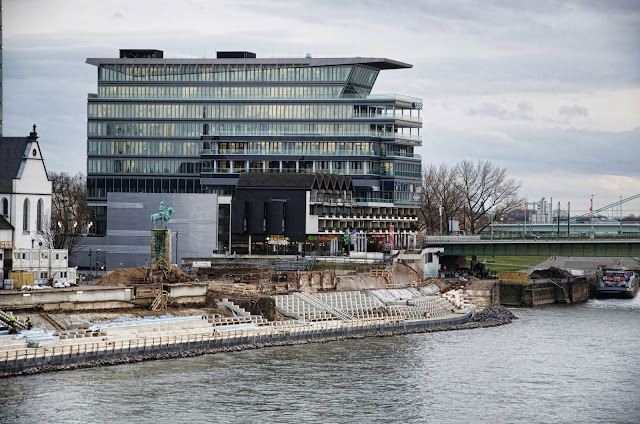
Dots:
pixel 12 151
pixel 4 224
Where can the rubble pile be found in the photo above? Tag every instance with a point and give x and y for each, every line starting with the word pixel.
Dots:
pixel 494 313
pixel 550 273
pixel 128 276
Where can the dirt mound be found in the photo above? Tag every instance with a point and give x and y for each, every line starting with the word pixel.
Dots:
pixel 243 273
pixel 550 273
pixel 128 276
pixel 477 284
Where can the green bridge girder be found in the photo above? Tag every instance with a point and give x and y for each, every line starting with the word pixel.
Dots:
pixel 582 248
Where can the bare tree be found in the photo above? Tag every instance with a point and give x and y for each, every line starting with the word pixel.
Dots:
pixel 440 194
pixel 467 191
pixel 71 217
pixel 486 189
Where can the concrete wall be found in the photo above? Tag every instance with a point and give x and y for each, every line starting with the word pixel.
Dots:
pixel 187 290
pixel 544 293
pixel 510 294
pixel 18 299
pixel 129 226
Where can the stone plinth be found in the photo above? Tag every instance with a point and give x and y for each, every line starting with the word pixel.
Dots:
pixel 160 249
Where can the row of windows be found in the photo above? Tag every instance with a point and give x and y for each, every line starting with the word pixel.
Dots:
pixel 401 169
pixel 149 166
pixel 142 166
pixel 221 73
pixel 235 111
pixel 26 213
pixel 195 148
pixel 42 255
pixel 167 166
pixel 196 129
pixel 101 186
pixel 145 148
pixel 310 166
pixel 298 147
pixel 219 92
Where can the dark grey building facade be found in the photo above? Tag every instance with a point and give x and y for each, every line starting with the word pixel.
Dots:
pixel 193 227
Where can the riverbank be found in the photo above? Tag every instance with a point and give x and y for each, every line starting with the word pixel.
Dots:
pixel 113 355
pixel 489 318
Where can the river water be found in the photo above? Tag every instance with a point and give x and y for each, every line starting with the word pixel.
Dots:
pixel 555 364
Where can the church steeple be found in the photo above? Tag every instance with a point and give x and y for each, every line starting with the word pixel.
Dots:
pixel 33 136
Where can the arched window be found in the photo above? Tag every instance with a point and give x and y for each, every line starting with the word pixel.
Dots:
pixel 5 207
pixel 39 215
pixel 25 215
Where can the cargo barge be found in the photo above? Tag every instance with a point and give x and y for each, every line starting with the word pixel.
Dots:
pixel 618 283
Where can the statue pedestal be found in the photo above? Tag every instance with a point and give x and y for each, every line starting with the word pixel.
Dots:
pixel 160 249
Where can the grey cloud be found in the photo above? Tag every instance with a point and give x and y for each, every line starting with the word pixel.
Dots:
pixel 574 111
pixel 531 150
pixel 523 111
pixel 489 109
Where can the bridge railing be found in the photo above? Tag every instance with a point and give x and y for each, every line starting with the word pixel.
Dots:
pixel 561 236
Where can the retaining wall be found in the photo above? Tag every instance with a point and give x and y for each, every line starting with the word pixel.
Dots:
pixel 17 300
pixel 106 351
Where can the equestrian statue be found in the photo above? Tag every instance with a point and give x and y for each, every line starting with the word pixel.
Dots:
pixel 162 215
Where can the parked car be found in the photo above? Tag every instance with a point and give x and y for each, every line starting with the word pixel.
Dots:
pixel 531 236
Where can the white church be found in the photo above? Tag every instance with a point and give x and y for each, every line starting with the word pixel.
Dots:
pixel 25 208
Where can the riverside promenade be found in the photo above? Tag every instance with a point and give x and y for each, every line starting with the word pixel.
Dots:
pixel 191 337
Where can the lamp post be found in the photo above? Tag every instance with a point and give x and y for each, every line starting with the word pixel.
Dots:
pixel 90 266
pixel 491 218
pixel 591 210
pixel 39 257
pixel 177 263
pixel 97 260
pixel 525 218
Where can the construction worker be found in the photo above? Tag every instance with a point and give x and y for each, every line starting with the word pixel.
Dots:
pixel 29 322
pixel 12 320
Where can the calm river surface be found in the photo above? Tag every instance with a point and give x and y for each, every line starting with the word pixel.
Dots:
pixel 558 364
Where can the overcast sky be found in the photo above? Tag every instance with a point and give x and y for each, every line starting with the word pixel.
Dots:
pixel 550 90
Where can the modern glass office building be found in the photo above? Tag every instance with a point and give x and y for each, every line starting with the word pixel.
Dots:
pixel 159 125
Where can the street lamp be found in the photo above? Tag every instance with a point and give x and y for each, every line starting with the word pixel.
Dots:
pixel 591 210
pixel 177 263
pixel 491 218
pixel 97 260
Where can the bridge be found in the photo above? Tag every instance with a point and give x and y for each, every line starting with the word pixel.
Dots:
pixel 565 229
pixel 587 247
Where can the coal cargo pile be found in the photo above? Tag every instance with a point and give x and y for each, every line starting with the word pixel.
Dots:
pixel 494 313
pixel 550 273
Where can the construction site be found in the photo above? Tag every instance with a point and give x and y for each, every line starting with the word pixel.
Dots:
pixel 133 312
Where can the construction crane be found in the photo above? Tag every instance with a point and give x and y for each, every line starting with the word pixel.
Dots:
pixel 604 208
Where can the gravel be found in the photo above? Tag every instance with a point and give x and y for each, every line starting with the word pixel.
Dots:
pixel 494 313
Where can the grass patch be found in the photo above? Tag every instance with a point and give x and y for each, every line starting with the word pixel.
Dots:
pixel 508 263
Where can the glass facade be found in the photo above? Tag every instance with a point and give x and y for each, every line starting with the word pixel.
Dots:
pixel 193 125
